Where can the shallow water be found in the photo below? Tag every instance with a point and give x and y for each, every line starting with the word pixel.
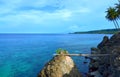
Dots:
pixel 24 55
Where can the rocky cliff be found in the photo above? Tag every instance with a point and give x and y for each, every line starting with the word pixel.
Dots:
pixel 60 66
pixel 107 66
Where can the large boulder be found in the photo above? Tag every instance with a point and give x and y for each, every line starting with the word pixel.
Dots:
pixel 60 66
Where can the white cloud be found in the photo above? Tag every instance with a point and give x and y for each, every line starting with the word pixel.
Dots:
pixel 74 28
pixel 37 17
pixel 84 10
pixel 66 12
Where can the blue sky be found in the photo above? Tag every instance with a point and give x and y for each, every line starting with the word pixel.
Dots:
pixel 53 16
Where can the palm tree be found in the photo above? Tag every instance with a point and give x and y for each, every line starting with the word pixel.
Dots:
pixel 112 15
pixel 118 9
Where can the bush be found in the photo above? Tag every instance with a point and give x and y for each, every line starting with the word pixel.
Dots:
pixel 61 51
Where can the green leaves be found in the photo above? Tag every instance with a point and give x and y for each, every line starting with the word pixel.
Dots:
pixel 61 51
pixel 113 14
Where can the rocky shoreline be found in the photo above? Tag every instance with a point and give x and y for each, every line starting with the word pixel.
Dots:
pixel 106 66
pixel 100 66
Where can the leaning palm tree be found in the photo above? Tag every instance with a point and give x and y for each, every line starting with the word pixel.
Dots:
pixel 112 15
pixel 118 9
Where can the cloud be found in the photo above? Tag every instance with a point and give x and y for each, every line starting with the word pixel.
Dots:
pixel 84 10
pixel 36 17
pixel 74 28
pixel 52 14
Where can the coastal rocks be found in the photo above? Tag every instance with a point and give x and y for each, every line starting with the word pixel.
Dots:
pixel 108 66
pixel 60 66
pixel 104 41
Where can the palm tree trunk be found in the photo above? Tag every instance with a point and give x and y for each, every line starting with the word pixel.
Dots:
pixel 115 24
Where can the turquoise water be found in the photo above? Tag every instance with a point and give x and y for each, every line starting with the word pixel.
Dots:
pixel 24 55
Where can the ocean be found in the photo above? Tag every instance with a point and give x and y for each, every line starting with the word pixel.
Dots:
pixel 24 55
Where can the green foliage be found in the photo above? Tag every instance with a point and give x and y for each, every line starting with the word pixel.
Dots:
pixel 113 14
pixel 60 50
pixel 104 31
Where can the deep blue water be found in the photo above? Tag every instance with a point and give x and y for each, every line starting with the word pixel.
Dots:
pixel 24 55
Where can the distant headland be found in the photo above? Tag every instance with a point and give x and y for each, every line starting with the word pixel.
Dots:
pixel 103 31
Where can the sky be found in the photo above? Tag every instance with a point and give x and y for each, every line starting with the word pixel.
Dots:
pixel 53 16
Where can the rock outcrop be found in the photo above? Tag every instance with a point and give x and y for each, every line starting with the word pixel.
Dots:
pixel 60 66
pixel 104 42
pixel 108 66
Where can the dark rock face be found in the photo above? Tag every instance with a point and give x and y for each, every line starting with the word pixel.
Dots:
pixel 103 43
pixel 109 65
pixel 60 66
